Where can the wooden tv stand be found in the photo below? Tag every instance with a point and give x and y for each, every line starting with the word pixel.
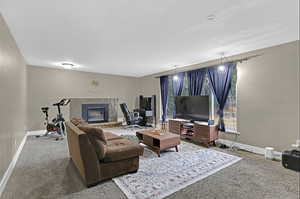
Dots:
pixel 200 133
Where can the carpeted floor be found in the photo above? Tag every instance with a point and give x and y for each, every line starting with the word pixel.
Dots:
pixel 45 171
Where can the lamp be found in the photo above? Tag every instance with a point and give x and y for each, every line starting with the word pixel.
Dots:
pixel 175 77
pixel 222 67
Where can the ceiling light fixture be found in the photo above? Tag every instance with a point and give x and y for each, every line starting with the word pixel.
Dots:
pixel 66 65
pixel 211 17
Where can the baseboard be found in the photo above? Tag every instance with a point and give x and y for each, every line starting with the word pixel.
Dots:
pixel 34 133
pixel 250 148
pixel 11 166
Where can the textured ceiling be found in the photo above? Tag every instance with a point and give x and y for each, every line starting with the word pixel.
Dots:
pixel 138 38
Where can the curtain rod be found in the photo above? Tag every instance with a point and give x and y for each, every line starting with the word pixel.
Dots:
pixel 233 60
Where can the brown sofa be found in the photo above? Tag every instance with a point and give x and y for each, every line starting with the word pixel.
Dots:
pixel 121 155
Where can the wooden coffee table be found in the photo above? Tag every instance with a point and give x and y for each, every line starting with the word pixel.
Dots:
pixel 158 142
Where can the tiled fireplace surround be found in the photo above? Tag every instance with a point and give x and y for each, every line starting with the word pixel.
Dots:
pixel 76 106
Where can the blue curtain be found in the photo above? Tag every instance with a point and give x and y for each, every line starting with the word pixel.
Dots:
pixel 177 87
pixel 178 84
pixel 220 81
pixel 164 83
pixel 196 78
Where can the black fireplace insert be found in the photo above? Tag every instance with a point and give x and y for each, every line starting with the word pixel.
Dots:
pixel 95 113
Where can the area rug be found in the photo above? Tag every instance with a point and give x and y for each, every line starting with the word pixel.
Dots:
pixel 160 177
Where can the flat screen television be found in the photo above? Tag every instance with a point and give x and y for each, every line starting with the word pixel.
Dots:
pixel 192 107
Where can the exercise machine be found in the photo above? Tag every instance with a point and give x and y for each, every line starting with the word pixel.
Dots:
pixel 56 128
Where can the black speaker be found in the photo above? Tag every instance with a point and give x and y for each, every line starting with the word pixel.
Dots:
pixel 148 104
pixel 291 160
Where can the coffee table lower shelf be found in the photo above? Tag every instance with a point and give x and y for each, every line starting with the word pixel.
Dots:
pixel 158 142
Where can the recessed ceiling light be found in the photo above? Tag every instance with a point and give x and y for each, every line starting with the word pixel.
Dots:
pixel 211 17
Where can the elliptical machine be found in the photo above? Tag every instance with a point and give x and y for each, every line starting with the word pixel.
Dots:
pixel 56 129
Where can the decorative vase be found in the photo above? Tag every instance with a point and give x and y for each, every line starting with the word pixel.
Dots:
pixel 163 128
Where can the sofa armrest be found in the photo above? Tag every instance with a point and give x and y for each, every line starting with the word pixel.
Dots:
pixel 90 160
pixel 83 154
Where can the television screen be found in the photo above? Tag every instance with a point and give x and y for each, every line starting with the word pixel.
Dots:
pixel 192 107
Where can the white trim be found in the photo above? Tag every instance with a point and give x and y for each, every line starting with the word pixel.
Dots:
pixel 34 133
pixel 11 166
pixel 232 132
pixel 250 148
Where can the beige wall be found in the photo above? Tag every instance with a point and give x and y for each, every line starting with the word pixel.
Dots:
pixel 47 86
pixel 12 97
pixel 268 96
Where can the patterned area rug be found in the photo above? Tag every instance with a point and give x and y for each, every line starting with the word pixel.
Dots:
pixel 160 177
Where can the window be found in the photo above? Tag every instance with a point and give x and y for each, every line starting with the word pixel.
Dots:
pixel 230 110
pixel 171 98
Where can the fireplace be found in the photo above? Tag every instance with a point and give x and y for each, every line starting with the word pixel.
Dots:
pixel 95 113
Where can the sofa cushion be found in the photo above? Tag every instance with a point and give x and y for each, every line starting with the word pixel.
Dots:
pixel 78 121
pixel 121 149
pixel 93 132
pixel 111 136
